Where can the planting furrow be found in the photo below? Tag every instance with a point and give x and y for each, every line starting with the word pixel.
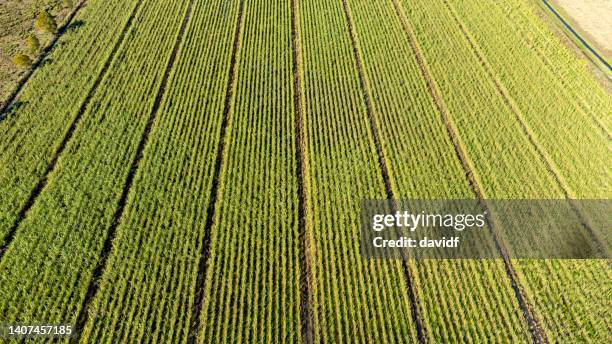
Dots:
pixel 441 108
pixel 307 318
pixel 214 190
pixel 43 179
pixel 39 124
pixel 60 240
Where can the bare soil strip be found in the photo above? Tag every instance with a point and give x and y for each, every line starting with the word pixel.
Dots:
pixel 4 109
pixel 382 162
pixel 537 333
pixel 214 191
pixel 308 327
pixel 43 179
pixel 108 242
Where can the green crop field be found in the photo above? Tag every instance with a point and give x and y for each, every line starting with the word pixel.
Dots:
pixel 193 171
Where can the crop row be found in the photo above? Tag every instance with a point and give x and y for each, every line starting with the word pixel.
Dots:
pixel 575 132
pixel 578 147
pixel 571 72
pixel 51 260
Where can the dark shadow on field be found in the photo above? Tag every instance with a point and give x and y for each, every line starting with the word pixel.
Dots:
pixel 74 25
pixel 17 105
pixel 14 107
pixel 45 61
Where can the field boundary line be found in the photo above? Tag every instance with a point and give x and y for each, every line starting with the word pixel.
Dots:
pixel 408 274
pixel 199 296
pixel 307 316
pixel 10 101
pixel 538 335
pixel 42 182
pixel 577 35
pixel 98 272
pixel 509 101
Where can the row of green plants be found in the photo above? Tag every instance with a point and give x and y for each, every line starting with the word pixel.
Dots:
pixel 560 104
pixel 567 111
